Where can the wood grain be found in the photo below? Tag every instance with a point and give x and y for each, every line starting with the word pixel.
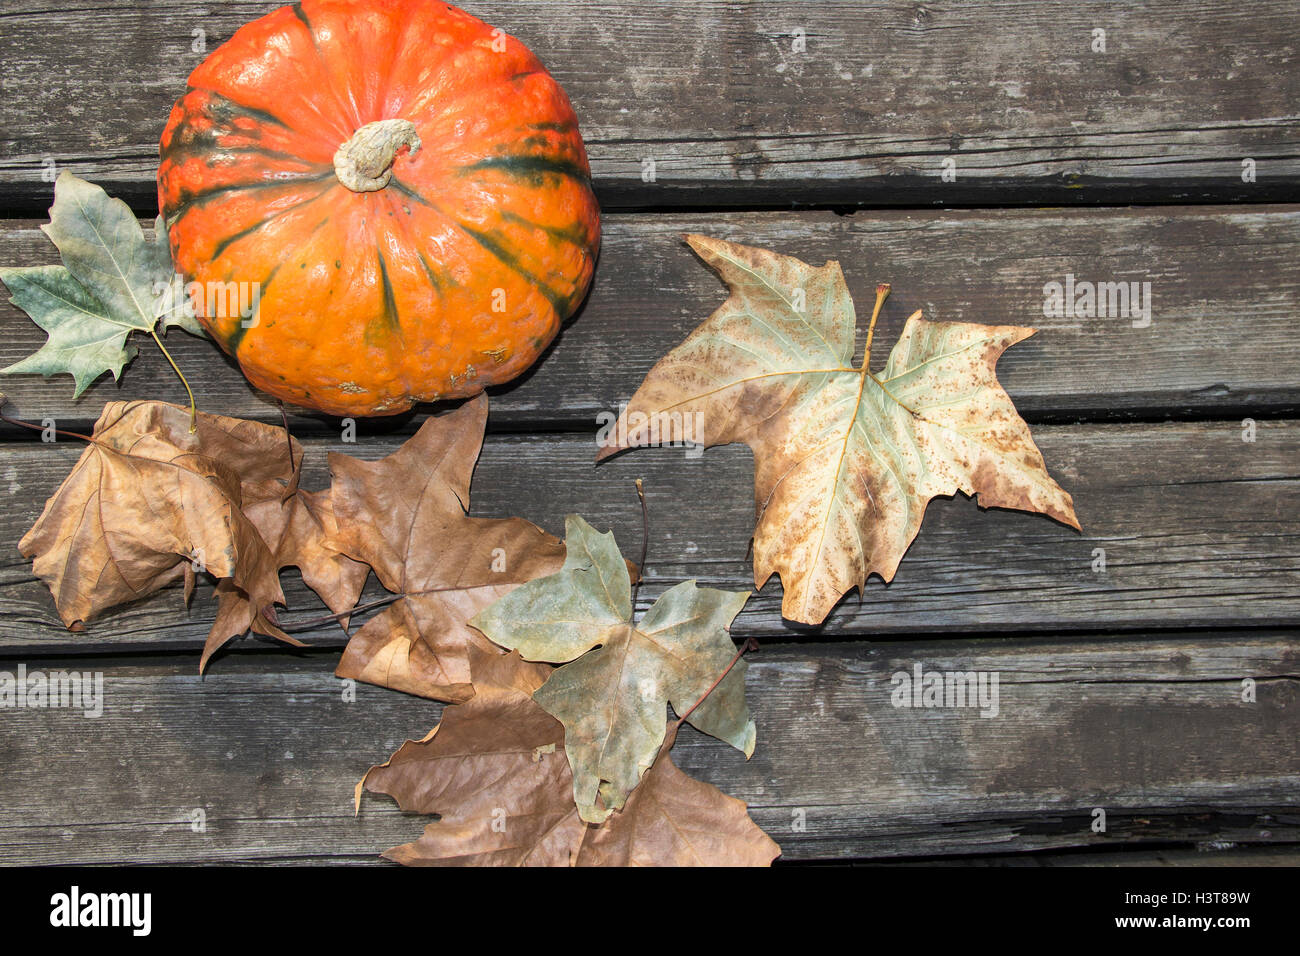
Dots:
pixel 718 96
pixel 1120 689
pixel 1199 529
pixel 269 750
pixel 1224 290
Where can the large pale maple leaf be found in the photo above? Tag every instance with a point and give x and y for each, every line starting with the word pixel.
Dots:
pixel 405 516
pixel 846 459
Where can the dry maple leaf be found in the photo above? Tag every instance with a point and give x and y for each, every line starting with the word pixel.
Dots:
pixel 405 516
pixel 494 770
pixel 148 499
pixel 672 819
pixel 496 758
pixel 297 526
pixel 612 700
pixel 845 460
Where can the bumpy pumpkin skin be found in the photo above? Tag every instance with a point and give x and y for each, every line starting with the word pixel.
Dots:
pixel 454 276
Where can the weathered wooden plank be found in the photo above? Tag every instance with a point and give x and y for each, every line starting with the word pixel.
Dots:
pixel 1209 853
pixel 1224 293
pixel 722 99
pixel 1199 529
pixel 1154 732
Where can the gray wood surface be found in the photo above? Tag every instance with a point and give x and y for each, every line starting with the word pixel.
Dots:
pixel 1150 730
pixel 1204 853
pixel 1224 284
pixel 1120 689
pixel 716 94
pixel 1199 528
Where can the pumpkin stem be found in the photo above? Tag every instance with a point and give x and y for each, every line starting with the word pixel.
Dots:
pixel 365 162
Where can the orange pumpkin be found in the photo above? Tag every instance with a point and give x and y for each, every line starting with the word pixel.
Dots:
pixel 402 191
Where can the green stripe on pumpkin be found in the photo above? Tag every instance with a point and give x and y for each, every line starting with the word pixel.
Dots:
pixel 406 190
pixel 567 126
pixel 562 304
pixel 436 276
pixel 230 240
pixel 220 108
pixel 511 261
pixel 236 337
pixel 224 244
pixel 570 234
pixel 382 328
pixel 203 146
pixel 301 14
pixel 190 201
pixel 532 169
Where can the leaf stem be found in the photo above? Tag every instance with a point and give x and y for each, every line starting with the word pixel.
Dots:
pixel 40 428
pixel 749 645
pixel 295 476
pixel 288 435
pixel 645 547
pixel 317 621
pixel 882 293
pixel 194 412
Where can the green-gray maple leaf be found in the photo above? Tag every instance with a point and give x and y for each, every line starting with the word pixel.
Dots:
pixel 107 287
pixel 611 698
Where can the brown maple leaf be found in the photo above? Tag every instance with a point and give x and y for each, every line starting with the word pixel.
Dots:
pixel 846 460
pixel 297 526
pixel 498 757
pixel 148 500
pixel 495 771
pixel 405 516
pixel 672 819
